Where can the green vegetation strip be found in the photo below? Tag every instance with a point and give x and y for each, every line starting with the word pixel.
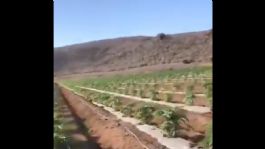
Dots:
pixel 196 109
pixel 149 85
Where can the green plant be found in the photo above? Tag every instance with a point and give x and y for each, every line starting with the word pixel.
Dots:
pixel 208 90
pixel 105 102
pixel 102 98
pixel 189 96
pixel 144 113
pixel 127 110
pixel 168 114
pixel 58 134
pixel 169 126
pixel 115 103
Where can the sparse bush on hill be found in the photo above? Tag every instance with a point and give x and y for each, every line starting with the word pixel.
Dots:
pixel 161 36
pixel 187 61
pixel 142 65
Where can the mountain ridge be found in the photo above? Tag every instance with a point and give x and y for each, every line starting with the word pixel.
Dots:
pixel 131 52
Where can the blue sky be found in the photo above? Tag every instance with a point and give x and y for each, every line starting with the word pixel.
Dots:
pixel 77 21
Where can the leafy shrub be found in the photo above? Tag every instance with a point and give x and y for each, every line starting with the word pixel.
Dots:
pixel 208 90
pixel 144 113
pixel 58 134
pixel 161 36
pixel 115 103
pixel 103 98
pixel 187 61
pixel 168 114
pixel 169 126
pixel 127 110
pixel 59 137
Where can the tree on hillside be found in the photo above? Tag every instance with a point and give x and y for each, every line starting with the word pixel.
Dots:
pixel 161 36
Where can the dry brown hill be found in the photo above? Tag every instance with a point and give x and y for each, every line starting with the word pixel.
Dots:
pixel 131 52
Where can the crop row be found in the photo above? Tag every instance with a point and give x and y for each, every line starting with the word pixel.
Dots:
pixel 166 86
pixel 175 76
pixel 170 120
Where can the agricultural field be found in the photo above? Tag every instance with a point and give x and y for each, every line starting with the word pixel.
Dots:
pixel 177 102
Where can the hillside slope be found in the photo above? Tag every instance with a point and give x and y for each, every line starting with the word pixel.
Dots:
pixel 132 52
